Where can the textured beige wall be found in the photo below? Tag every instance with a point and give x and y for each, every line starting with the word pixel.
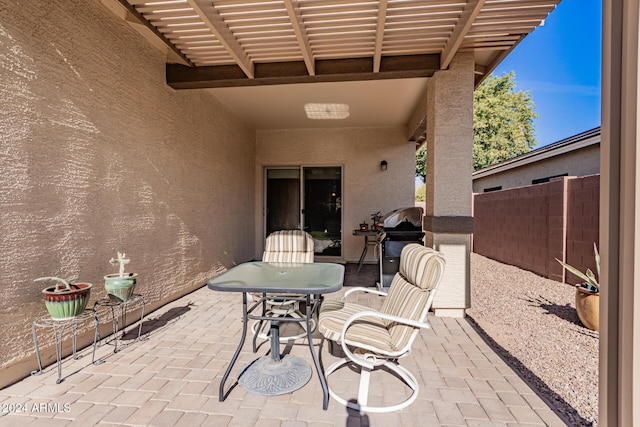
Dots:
pixel 98 155
pixel 582 162
pixel 449 113
pixel 450 139
pixel 366 188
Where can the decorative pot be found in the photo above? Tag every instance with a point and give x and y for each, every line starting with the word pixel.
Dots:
pixel 66 300
pixel 119 288
pixel 588 307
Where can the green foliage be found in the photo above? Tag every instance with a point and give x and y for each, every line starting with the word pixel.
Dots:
pixel 421 162
pixel 588 276
pixel 421 193
pixel 502 121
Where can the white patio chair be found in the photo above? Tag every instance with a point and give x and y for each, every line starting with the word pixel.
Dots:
pixel 284 246
pixel 373 339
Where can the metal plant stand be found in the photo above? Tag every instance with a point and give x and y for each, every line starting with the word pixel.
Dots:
pixel 58 326
pixel 118 312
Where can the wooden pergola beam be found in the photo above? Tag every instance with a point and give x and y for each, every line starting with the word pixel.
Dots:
pixel 382 19
pixel 136 17
pixel 293 9
pixel 468 16
pixel 215 23
pixel 328 70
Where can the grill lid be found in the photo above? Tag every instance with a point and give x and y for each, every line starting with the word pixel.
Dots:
pixel 405 219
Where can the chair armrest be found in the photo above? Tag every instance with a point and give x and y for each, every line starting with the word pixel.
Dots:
pixel 370 313
pixel 362 289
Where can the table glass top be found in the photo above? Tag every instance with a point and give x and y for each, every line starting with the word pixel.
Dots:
pixel 312 278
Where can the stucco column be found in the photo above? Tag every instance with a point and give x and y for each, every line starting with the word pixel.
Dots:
pixel 619 215
pixel 448 221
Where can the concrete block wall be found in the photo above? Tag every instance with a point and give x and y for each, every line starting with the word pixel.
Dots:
pixel 511 226
pixel 98 155
pixel 531 226
pixel 583 217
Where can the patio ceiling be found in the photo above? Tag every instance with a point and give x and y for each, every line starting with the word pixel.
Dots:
pixel 248 43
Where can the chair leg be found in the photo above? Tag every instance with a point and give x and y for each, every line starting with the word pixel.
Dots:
pixel 363 390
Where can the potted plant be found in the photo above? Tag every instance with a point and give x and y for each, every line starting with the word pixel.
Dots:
pixel 120 286
pixel 377 221
pixel 587 293
pixel 65 300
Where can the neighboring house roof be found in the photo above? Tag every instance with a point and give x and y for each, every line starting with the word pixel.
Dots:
pixel 578 155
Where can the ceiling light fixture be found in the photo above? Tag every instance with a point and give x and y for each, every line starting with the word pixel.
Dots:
pixel 326 111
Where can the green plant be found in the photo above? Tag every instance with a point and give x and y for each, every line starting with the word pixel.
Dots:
pixel 421 192
pixel 590 279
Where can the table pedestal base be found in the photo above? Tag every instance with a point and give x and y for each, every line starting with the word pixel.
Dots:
pixel 269 377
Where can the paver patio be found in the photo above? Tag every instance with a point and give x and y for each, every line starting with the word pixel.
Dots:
pixel 172 377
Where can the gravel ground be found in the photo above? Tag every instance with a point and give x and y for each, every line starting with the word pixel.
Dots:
pixel 532 323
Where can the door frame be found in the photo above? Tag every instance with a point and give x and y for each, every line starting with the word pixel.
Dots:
pixel 301 167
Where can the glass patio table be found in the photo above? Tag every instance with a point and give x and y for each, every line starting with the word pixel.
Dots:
pixel 274 375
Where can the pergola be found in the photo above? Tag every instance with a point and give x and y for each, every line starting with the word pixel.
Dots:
pixel 241 48
pixel 100 152
pixel 223 43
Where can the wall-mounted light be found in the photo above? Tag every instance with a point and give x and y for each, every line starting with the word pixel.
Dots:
pixel 383 165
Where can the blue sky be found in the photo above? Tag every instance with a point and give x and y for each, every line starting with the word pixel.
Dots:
pixel 560 64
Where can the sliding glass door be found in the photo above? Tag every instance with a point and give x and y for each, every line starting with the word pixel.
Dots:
pixel 307 198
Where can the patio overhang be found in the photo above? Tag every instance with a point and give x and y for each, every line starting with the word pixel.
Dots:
pixel 278 73
pixel 226 43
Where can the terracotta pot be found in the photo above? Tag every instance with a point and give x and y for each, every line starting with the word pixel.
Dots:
pixel 118 288
pixel 588 307
pixel 66 302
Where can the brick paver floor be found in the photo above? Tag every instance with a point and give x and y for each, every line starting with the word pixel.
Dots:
pixel 171 378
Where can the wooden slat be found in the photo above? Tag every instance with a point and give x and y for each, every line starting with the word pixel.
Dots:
pixel 161 7
pixel 382 19
pixel 295 15
pixel 469 14
pixel 171 14
pixel 139 18
pixel 238 29
pixel 217 26
pixel 180 77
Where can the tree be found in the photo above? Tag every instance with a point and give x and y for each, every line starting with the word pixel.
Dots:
pixel 502 124
pixel 421 193
pixel 421 162
pixel 502 121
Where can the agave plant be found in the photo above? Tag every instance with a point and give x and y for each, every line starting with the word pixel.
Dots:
pixel 590 279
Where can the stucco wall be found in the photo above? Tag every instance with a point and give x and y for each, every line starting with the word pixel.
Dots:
pixel 367 189
pixel 98 155
pixel 585 161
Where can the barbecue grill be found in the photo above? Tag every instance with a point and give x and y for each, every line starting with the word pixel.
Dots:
pixel 402 227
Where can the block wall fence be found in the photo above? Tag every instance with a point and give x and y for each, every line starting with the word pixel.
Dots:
pixel 529 227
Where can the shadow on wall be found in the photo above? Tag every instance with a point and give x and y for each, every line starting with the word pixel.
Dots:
pixel 91 165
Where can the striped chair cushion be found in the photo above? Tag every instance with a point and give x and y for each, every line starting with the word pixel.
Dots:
pixel 420 272
pixel 288 246
pixel 408 297
pixel 407 301
pixel 366 332
pixel 416 268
